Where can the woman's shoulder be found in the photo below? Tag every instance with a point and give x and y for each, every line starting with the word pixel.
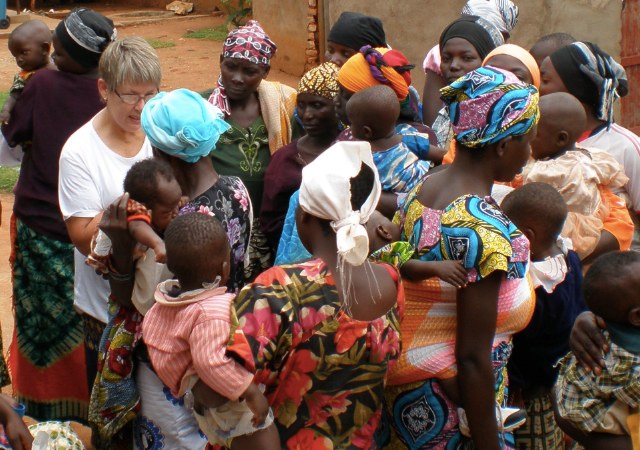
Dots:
pixel 477 210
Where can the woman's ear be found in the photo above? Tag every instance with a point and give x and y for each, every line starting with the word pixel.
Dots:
pixel 267 69
pixel 102 89
pixel 502 146
pixel 634 316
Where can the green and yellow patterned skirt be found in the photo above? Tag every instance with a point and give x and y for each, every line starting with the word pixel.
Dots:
pixel 46 356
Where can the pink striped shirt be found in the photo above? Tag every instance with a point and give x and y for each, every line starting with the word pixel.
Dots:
pixel 188 335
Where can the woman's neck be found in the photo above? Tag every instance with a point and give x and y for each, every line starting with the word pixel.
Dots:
pixel 309 147
pixel 122 142
pixel 593 122
pixel 245 111
pixel 196 178
pixel 470 176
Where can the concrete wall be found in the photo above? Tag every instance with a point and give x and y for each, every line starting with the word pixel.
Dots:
pixel 286 23
pixel 414 26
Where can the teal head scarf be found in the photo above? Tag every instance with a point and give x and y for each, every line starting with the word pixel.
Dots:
pixel 181 123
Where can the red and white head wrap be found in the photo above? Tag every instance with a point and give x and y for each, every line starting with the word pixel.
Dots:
pixel 249 42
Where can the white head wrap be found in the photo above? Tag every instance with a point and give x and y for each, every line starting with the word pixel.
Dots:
pixel 325 192
pixel 503 14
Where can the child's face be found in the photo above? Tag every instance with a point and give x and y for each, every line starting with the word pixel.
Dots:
pixel 544 145
pixel 29 54
pixel 167 203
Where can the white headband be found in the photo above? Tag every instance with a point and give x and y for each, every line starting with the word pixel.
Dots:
pixel 325 192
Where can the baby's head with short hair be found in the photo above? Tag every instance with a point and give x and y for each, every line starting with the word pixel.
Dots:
pixel 152 183
pixel 30 44
pixel 539 212
pixel 612 287
pixel 562 121
pixel 198 250
pixel 373 113
pixel 548 44
pixel 381 231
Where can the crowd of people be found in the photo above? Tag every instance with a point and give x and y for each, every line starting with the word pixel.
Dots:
pixel 349 264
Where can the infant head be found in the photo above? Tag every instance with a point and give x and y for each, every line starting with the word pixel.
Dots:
pixel 612 287
pixel 152 183
pixel 198 250
pixel 30 44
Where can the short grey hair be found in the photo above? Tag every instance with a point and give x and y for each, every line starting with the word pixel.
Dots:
pixel 130 60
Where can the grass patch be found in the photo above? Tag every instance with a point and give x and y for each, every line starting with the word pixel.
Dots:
pixel 160 43
pixel 3 97
pixel 8 178
pixel 218 33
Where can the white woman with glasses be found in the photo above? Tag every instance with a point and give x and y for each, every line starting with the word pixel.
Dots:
pixel 93 165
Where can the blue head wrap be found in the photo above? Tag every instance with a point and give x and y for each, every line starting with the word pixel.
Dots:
pixel 489 104
pixel 183 124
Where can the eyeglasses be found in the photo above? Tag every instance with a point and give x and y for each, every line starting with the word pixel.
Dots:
pixel 133 99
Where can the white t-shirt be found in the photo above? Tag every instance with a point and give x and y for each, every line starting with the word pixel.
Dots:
pixel 91 177
pixel 624 146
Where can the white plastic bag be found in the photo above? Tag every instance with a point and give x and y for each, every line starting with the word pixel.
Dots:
pixel 55 436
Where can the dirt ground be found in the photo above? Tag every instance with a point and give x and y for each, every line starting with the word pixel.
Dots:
pixel 192 63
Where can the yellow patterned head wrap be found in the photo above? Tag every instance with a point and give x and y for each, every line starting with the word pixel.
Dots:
pixel 321 81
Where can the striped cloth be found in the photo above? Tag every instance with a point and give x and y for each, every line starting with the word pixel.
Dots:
pixel 431 305
pixel 188 335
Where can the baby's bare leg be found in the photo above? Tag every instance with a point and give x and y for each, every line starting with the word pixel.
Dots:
pixel 266 439
pixel 204 397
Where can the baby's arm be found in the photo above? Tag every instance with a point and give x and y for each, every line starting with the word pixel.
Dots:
pixel 452 272
pixel 9 104
pixel 142 232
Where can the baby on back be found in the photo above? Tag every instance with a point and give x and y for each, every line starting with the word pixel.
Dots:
pixel 30 44
pixel 577 173
pixel 373 113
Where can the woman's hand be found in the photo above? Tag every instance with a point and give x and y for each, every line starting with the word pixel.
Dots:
pixel 587 342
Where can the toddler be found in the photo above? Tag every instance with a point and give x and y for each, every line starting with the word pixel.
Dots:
pixel 539 211
pixel 373 113
pixel 30 44
pixel 187 333
pixel 155 200
pixel 577 173
pixel 600 403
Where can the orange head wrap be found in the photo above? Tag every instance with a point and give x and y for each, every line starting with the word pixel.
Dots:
pixel 375 66
pixel 521 55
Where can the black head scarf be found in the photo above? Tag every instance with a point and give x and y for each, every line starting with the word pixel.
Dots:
pixel 479 32
pixel 355 30
pixel 591 75
pixel 85 34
